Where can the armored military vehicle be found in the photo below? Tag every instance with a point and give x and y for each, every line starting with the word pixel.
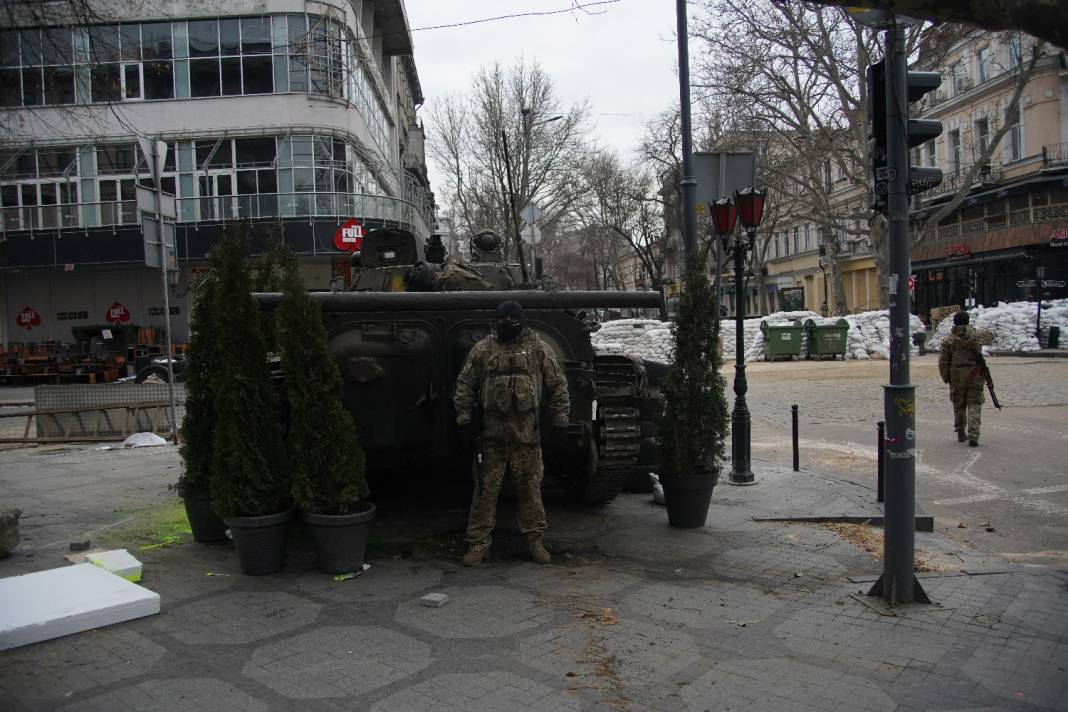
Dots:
pixel 400 336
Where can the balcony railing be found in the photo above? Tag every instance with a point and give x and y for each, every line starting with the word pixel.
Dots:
pixel 207 209
pixel 1015 218
pixel 953 181
pixel 1055 154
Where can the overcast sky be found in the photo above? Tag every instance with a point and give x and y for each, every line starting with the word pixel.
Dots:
pixel 620 55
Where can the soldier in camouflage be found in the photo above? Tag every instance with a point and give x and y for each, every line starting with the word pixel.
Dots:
pixel 959 365
pixel 506 373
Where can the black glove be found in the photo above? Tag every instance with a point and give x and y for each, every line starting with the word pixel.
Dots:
pixel 558 439
pixel 466 435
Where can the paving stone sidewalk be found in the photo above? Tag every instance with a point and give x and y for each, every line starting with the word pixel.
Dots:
pixel 631 615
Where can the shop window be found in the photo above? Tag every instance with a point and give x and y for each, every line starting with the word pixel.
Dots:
pixel 156 40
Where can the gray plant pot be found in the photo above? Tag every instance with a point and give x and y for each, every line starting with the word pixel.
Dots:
pixel 205 524
pixel 341 539
pixel 260 542
pixel 686 498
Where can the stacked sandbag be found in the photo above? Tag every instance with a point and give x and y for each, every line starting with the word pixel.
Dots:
pixel 1011 324
pixel 645 338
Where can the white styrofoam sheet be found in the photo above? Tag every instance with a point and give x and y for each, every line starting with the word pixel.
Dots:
pixel 49 604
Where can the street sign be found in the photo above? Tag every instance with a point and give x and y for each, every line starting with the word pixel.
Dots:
pixel 719 175
pixel 155 153
pixel 151 235
pixel 146 202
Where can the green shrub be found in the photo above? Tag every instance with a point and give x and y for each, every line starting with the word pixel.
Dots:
pixel 249 475
pixel 329 469
pixel 198 425
pixel 695 418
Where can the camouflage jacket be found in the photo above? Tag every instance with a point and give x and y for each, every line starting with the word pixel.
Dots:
pixel 508 381
pixel 960 350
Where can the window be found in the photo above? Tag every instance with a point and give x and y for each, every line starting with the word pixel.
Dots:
pixel 203 38
pixel 1015 146
pixel 797 246
pixel 981 138
pixel 808 236
pixel 115 158
pixel 982 62
pixel 954 151
pixel 1013 50
pixel 159 80
pixel 106 82
pixel 204 77
pixel 932 153
pixel 958 78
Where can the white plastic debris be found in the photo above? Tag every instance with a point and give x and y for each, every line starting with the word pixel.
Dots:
pixel 658 489
pixel 119 562
pixel 434 600
pixel 143 440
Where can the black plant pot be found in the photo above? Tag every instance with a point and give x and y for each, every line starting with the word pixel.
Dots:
pixel 260 542
pixel 340 539
pixel 686 498
pixel 206 525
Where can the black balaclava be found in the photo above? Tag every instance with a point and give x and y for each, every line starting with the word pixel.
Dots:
pixel 510 321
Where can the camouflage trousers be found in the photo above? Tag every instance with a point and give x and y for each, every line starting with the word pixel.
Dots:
pixel 967 404
pixel 524 463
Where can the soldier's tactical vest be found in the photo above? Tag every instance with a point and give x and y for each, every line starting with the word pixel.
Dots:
pixel 511 383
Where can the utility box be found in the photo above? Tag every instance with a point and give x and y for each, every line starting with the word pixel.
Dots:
pixel 827 339
pixel 781 340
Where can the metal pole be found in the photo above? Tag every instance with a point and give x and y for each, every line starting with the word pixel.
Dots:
pixel 797 455
pixel 898 583
pixel 880 445
pixel 741 473
pixel 166 289
pixel 688 183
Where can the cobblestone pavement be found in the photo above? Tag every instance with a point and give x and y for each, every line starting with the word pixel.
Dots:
pixel 631 615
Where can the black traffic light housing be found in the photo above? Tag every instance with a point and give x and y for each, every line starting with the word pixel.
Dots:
pixel 919 131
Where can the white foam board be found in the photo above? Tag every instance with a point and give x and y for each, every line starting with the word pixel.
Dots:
pixel 49 604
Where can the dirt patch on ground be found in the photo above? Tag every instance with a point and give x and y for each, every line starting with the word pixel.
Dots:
pixel 870 539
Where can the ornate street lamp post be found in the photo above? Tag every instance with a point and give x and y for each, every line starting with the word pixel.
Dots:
pixel 748 207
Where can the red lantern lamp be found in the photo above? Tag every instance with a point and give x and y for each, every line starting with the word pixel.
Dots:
pixel 750 204
pixel 724 215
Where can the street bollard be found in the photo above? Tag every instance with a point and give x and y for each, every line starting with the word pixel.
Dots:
pixel 880 446
pixel 797 458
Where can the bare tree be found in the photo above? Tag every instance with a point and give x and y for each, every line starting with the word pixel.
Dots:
pixel 1040 18
pixel 514 108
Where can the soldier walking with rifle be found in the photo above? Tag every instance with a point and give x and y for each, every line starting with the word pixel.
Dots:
pixel 962 366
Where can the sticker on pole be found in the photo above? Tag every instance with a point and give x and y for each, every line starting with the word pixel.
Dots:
pixel 349 237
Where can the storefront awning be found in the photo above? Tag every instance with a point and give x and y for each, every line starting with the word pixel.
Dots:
pixel 974 259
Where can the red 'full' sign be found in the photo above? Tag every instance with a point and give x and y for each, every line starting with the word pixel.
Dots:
pixel 117 314
pixel 349 237
pixel 28 318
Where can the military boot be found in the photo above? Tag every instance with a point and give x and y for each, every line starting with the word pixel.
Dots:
pixel 974 442
pixel 538 553
pixel 475 554
pixel 961 437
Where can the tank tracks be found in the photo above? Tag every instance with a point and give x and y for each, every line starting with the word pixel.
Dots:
pixel 619 384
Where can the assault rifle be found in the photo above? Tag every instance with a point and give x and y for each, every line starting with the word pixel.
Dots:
pixel 984 371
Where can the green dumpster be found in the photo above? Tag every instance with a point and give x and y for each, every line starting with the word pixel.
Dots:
pixel 827 339
pixel 781 340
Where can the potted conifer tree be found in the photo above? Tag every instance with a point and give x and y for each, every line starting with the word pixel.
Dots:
pixel 695 418
pixel 328 465
pixel 198 426
pixel 249 478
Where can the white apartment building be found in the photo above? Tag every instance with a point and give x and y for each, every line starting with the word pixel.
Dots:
pixel 291 111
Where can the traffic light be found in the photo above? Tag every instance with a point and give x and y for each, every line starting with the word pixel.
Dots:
pixel 920 131
pixel 878 174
